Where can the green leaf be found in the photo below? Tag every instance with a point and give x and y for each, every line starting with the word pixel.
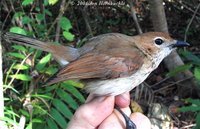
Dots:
pixel 21 67
pixel 40 16
pixel 74 83
pixel 10 87
pixel 194 107
pixel 62 108
pixel 18 30
pixel 74 92
pixel 25 113
pixel 52 2
pixel 37 120
pixel 193 101
pixel 27 2
pixel 10 112
pixel 10 121
pixel 18 14
pixel 191 57
pixel 48 12
pixel 41 64
pixel 40 27
pixel 67 98
pixel 51 124
pixel 197 121
pixel 197 73
pixel 39 110
pixel 51 88
pixel 29 126
pixel 19 47
pixel 22 77
pixel 41 96
pixel 46 3
pixel 69 36
pixel 58 118
pixel 179 69
pixel 37 53
pixel 191 108
pixel 26 20
pixel 17 55
pixel 51 70
pixel 65 23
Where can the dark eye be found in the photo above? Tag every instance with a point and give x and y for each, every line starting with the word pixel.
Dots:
pixel 159 41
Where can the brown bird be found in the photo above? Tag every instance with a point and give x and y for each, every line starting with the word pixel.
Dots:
pixel 109 64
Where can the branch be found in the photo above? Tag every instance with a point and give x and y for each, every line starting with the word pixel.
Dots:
pixel 187 7
pixel 188 26
pixel 137 25
pixel 85 17
pixel 173 60
pixel 63 7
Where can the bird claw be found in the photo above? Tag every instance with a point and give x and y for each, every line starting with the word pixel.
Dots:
pixel 129 123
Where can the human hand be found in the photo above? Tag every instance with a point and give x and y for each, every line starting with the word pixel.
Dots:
pixel 99 113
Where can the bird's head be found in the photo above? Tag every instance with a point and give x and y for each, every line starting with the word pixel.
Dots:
pixel 155 43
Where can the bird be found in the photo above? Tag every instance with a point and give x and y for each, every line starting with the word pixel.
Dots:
pixel 108 64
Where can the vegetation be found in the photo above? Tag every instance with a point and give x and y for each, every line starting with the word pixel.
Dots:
pixel 27 104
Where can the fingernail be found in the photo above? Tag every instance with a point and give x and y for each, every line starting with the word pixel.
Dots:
pixel 125 97
pixel 95 98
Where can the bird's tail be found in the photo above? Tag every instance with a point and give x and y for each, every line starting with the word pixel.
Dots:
pixel 24 40
pixel 61 53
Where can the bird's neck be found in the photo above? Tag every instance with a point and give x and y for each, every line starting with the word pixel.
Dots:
pixel 157 59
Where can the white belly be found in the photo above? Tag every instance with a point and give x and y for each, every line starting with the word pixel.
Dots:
pixel 119 85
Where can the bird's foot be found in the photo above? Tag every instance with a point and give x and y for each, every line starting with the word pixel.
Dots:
pixel 129 122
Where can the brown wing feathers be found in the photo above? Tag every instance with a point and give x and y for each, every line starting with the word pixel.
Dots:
pixel 102 66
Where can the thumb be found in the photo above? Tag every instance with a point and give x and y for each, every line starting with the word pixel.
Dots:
pixel 91 114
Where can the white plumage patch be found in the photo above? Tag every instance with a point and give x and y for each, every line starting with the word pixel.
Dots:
pixel 63 62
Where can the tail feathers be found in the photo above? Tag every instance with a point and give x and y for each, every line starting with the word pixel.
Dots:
pixel 24 40
pixel 62 54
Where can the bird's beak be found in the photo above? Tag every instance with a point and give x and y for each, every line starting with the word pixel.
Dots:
pixel 180 44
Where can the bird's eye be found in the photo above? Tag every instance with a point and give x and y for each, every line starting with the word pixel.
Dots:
pixel 158 41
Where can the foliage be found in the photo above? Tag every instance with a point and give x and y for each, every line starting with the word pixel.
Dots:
pixel 195 62
pixel 179 69
pixel 60 21
pixel 194 104
pixel 193 107
pixel 48 107
pixel 193 65
pixel 52 107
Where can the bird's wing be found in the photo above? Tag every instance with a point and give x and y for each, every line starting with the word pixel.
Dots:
pixel 113 63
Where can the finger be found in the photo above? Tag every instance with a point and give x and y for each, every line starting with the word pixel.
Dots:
pixel 115 120
pixel 140 120
pixel 123 100
pixel 91 114
pixel 90 98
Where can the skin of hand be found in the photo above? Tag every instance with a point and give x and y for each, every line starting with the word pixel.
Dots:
pixel 99 113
